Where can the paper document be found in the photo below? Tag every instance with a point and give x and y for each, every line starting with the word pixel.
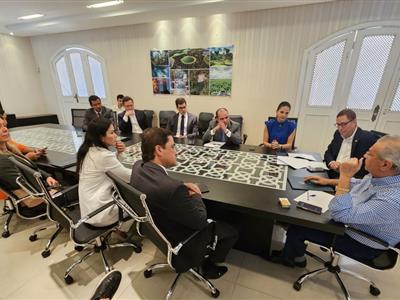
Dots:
pixel 298 163
pixel 216 145
pixel 318 164
pixel 317 198
pixel 302 155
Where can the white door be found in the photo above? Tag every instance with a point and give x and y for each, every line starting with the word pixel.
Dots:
pixel 323 69
pixel 359 68
pixel 370 68
pixel 389 118
pixel 79 73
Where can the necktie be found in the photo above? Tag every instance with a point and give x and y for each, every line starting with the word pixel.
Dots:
pixel 98 115
pixel 182 125
pixel 222 136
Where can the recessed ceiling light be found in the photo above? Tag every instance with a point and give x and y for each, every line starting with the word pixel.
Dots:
pixel 11 33
pixel 34 16
pixel 105 4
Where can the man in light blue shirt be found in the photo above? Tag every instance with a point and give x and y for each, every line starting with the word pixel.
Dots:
pixel 371 204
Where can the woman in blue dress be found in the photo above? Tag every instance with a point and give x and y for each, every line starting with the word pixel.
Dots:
pixel 279 133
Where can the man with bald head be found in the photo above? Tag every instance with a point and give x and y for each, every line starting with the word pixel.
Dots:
pixel 223 129
pixel 371 205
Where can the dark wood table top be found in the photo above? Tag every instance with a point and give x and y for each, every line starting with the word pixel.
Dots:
pixel 254 200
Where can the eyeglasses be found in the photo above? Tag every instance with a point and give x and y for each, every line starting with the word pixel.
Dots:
pixel 342 124
pixel 181 107
pixel 223 118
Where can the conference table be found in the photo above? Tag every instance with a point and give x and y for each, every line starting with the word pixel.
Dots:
pixel 252 210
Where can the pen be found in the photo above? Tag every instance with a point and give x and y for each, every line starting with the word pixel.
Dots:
pixel 308 196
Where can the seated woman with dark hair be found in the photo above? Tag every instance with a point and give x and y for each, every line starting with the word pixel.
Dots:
pixel 94 160
pixel 279 133
pixel 9 173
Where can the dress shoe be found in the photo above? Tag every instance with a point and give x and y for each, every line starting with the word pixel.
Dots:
pixel 212 271
pixel 107 286
pixel 277 257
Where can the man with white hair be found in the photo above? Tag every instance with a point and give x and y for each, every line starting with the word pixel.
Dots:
pixel 371 205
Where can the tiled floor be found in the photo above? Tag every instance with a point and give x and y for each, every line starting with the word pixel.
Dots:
pixel 24 274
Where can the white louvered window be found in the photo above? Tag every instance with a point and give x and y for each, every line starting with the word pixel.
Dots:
pixel 80 73
pixel 63 77
pixel 396 100
pixel 77 68
pixel 370 67
pixel 325 74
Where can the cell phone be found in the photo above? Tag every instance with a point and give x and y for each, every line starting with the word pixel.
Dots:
pixel 309 207
pixel 203 188
pixel 315 169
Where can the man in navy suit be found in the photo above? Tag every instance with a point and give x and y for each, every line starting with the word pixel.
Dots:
pixel 96 111
pixel 348 141
pixel 177 207
pixel 223 129
pixel 131 120
pixel 183 124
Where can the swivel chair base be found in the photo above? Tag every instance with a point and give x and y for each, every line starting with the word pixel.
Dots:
pixel 99 246
pixel 333 267
pixel 149 272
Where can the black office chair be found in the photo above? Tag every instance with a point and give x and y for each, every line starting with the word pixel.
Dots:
pixel 82 234
pixel 378 133
pixel 28 182
pixel 239 119
pixel 386 260
pixel 78 116
pixel 294 120
pixel 8 209
pixel 164 117
pixel 204 121
pixel 149 117
pixel 134 203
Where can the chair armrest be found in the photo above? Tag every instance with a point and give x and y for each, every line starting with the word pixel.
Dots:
pixel 178 247
pixel 92 214
pixel 27 187
pixel 368 236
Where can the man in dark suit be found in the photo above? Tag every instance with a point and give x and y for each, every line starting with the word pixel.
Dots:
pixel 177 208
pixel 183 124
pixel 96 111
pixel 348 141
pixel 131 120
pixel 223 129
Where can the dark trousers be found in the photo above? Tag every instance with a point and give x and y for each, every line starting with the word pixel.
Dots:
pixel 227 237
pixel 193 253
pixel 296 235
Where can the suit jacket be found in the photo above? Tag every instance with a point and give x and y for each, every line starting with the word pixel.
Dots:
pixel 362 141
pixel 126 127
pixel 91 115
pixel 192 128
pixel 233 126
pixel 175 213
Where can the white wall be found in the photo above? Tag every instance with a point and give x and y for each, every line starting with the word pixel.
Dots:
pixel 269 48
pixel 20 86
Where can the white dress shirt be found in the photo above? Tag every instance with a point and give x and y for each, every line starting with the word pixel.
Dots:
pixel 95 187
pixel 135 124
pixel 178 128
pixel 345 148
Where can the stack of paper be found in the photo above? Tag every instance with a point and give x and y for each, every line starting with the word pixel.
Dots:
pixel 298 163
pixel 317 198
pixel 213 144
pixel 302 155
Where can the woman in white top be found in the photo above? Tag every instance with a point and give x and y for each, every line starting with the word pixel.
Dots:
pixel 94 160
